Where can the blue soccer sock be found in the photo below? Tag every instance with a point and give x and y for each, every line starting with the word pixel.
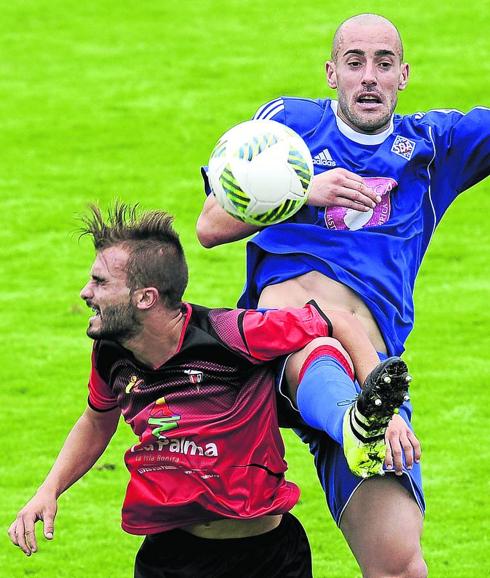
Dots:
pixel 325 391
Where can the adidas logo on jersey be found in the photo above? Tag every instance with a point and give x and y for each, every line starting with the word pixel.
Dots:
pixel 324 159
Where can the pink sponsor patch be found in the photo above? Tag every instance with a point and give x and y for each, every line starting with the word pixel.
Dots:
pixel 343 219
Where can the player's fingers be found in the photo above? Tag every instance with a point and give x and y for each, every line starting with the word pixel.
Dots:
pixel 361 193
pixel 13 533
pixel 355 182
pixel 30 537
pixel 361 187
pixel 397 453
pixel 407 451
pixel 21 537
pixel 417 448
pixel 347 201
pixel 388 456
pixel 346 192
pixel 49 516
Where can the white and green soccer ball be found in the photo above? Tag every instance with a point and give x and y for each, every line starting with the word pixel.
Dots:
pixel 260 172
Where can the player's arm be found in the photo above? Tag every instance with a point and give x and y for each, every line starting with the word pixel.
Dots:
pixel 85 443
pixel 215 226
pixel 336 187
pixel 461 145
pixel 270 333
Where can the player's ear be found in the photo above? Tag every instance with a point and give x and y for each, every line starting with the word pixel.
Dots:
pixel 145 298
pixel 404 73
pixel 331 74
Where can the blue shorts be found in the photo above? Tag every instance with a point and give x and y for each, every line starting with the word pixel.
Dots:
pixel 338 482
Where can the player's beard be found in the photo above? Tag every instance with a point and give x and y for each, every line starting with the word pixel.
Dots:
pixel 118 323
pixel 365 123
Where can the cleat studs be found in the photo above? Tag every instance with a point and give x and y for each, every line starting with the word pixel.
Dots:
pixel 408 379
pixel 387 379
pixel 377 402
pixel 406 397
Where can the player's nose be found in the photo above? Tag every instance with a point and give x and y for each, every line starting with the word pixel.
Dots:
pixel 369 74
pixel 86 292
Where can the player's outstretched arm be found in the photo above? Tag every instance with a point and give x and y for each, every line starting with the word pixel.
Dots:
pixel 216 227
pixel 84 445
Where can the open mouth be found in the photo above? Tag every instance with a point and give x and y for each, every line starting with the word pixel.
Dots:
pixel 95 309
pixel 368 98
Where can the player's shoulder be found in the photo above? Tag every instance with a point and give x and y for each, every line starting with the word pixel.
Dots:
pixel 299 113
pixel 291 104
pixel 438 119
pixel 207 319
pixel 107 353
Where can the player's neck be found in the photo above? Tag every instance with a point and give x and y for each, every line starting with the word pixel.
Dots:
pixel 159 339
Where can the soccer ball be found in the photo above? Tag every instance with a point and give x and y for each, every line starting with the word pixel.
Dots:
pixel 260 172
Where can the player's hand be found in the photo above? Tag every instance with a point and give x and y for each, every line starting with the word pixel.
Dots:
pixel 339 187
pixel 401 442
pixel 43 506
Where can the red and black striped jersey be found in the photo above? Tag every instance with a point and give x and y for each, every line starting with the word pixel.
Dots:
pixel 208 445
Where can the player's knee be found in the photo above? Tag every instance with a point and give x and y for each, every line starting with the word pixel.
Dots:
pixel 326 346
pixel 419 569
pixel 411 567
pixel 416 568
pixel 299 362
pixel 325 342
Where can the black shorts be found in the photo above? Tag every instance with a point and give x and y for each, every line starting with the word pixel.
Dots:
pixel 281 553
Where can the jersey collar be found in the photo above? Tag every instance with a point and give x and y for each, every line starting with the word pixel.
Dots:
pixel 359 137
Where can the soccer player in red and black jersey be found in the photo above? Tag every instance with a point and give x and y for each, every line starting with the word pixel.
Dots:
pixel 196 385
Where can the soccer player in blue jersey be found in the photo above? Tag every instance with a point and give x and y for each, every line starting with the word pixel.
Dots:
pixel 382 184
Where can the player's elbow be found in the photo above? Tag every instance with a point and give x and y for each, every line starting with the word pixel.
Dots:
pixel 206 233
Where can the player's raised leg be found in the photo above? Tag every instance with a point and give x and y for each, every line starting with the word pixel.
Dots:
pixel 382 524
pixel 320 380
pixel 366 421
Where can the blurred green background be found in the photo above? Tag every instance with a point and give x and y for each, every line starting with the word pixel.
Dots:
pixel 126 99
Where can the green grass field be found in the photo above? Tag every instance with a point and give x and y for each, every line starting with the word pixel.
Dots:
pixel 110 99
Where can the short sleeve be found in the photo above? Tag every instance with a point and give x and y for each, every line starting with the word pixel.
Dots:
pixel 265 334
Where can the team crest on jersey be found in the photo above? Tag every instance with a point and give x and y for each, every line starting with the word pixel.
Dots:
pixel 403 147
pixel 342 219
pixel 134 384
pixel 194 375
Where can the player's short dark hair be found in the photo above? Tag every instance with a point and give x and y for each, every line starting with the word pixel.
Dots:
pixel 155 254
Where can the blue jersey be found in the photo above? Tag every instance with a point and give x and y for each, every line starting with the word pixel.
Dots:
pixel 418 166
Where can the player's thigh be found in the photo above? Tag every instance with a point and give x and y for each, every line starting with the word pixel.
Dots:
pixel 382 524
